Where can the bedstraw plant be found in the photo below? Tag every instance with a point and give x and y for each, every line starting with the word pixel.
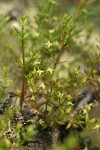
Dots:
pixel 52 98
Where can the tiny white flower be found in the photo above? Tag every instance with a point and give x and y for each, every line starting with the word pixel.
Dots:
pixel 37 63
pixel 50 70
pixel 33 98
pixel 31 90
pixel 40 72
pixel 51 31
pixel 53 2
pixel 76 70
pixel 83 80
pixel 69 97
pixel 42 86
pixel 48 44
pixel 96 127
pixel 84 111
pixel 70 103
pixel 85 148
pixel 68 110
pixel 60 95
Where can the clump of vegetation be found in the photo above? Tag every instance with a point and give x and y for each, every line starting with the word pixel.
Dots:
pixel 47 100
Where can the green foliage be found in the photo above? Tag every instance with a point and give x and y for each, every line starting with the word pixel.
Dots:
pixel 5 81
pixel 52 98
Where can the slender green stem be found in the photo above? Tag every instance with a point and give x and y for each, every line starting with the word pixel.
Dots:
pixel 23 73
pixel 58 57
